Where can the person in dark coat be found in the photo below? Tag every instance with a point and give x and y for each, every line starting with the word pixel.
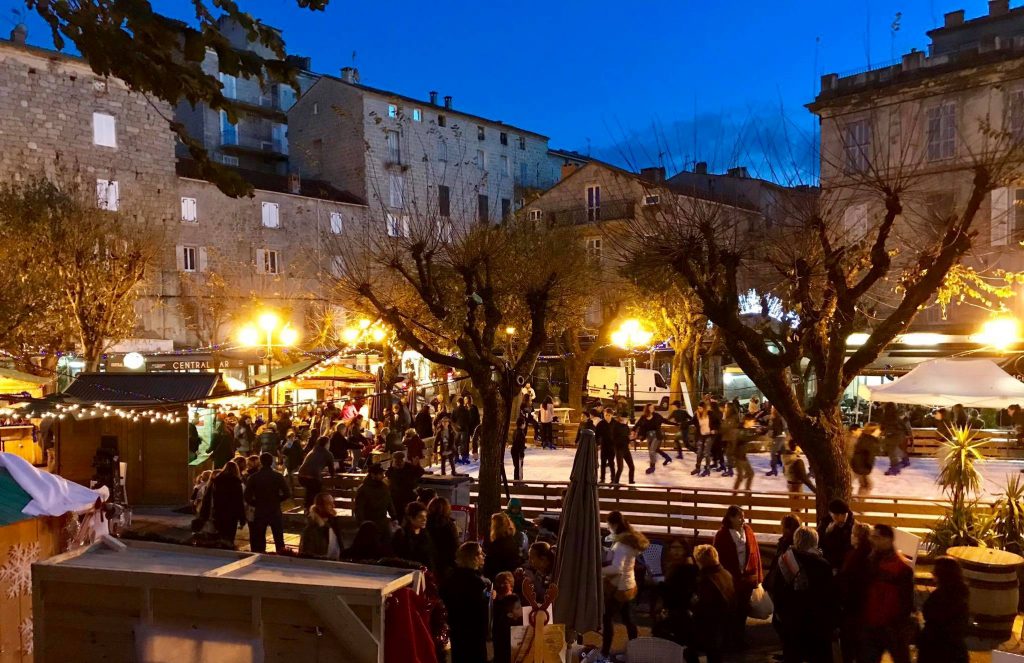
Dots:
pixel 508 612
pixel 946 619
pixel 467 595
pixel 474 424
pixel 682 419
pixel 851 581
pixel 268 441
pixel 605 444
pixel 322 525
pixel 193 439
pixel 245 435
pixel 676 593
pixel 518 448
pixel 264 491
pixel 623 456
pixel 403 478
pixel 503 548
pixel 805 601
pixel 444 537
pixel 224 505
pixel 414 447
pixel 444 443
pixel 715 608
pixel 373 501
pixel 220 444
pixel 313 465
pixel 292 452
pixel 836 543
pixel 423 423
pixel 412 541
pixel 461 426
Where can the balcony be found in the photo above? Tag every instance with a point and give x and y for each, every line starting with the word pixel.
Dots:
pixel 612 210
pixel 248 145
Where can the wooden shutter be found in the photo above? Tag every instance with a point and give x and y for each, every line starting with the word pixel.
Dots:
pixel 179 256
pixel 261 261
pixel 201 256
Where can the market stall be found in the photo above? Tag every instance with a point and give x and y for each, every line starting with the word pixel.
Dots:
pixel 977 383
pixel 157 602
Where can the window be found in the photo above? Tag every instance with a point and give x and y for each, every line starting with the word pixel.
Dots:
pixel 336 223
pixel 442 121
pixel 188 258
pixel 856 145
pixel 442 149
pixel 392 110
pixel 228 131
pixel 1015 113
pixel 444 201
pixel 394 148
pixel 522 172
pixel 941 132
pixel 522 142
pixel 188 210
pixel 855 221
pixel 504 166
pixel 108 195
pixel 444 230
pixel 593 203
pixel 506 208
pixel 482 208
pixel 338 266
pixel 503 138
pixel 268 261
pixel 285 97
pixel 417 115
pixel 479 132
pixel 535 215
pixel 104 130
pixel 594 248
pixel 316 109
pixel 480 160
pixel 229 85
pixel 397 226
pixel 396 191
pixel 271 215
pixel 653 199
pixel 228 160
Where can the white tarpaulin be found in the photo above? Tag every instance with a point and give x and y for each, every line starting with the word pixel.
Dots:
pixel 946 382
pixel 51 495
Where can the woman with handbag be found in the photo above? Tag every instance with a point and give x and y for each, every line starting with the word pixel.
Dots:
pixel 620 578
pixel 740 555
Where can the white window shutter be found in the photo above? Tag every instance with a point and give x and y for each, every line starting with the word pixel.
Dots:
pixel 1000 221
pixel 271 217
pixel 113 196
pixel 179 255
pixel 101 193
pixel 202 258
pixel 337 224
pixel 261 261
pixel 104 130
pixel 405 225
pixel 855 221
pixel 189 209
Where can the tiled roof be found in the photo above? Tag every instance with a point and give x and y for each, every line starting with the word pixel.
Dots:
pixel 13 499
pixel 279 183
pixel 141 388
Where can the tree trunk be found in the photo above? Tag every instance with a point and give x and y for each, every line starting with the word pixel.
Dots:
pixel 575 374
pixel 492 451
pixel 92 350
pixel 823 439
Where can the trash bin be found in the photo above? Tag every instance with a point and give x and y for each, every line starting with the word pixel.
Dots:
pixel 454 489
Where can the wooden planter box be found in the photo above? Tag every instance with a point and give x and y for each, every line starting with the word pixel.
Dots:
pixel 152 602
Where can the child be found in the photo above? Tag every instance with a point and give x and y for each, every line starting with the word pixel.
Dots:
pixel 508 612
pixel 539 567
pixel 199 490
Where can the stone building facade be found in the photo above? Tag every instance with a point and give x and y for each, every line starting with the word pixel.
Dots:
pixel 415 158
pixel 922 122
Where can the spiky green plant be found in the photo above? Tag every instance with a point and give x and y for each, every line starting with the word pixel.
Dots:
pixel 958 473
pixel 966 524
pixel 1008 515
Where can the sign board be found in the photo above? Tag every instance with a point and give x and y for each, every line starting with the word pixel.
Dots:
pixel 907 543
pixel 190 363
pixel 554 648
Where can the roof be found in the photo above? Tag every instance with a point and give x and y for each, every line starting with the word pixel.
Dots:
pixel 141 388
pixel 11 374
pixel 424 103
pixel 13 499
pixel 309 188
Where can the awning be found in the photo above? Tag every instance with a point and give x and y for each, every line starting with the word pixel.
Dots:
pixel 947 382
pixel 16 382
pixel 141 388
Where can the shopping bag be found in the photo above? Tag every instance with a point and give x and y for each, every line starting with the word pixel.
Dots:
pixel 760 603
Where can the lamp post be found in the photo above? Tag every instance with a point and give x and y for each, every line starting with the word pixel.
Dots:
pixel 629 336
pixel 269 332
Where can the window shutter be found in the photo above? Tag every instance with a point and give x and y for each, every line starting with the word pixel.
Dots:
pixel 261 261
pixel 405 225
pixel 1000 221
pixel 113 196
pixel 101 193
pixel 104 130
pixel 336 223
pixel 179 255
pixel 188 209
pixel 202 258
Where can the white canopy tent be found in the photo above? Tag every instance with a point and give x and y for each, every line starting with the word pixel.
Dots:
pixel 945 382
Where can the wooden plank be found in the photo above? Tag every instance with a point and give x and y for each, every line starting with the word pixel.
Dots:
pixel 232 566
pixel 352 634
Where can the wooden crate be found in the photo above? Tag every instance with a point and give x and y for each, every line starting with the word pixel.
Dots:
pixel 193 604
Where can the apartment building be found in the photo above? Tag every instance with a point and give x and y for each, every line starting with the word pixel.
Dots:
pixel 923 119
pixel 415 158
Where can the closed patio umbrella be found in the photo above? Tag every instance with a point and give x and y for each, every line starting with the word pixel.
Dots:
pixel 578 566
pixel 379 397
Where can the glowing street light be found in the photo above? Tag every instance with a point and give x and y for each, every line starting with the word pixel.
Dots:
pixel 629 336
pixel 998 333
pixel 365 331
pixel 269 323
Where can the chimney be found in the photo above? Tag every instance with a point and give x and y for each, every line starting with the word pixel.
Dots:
pixel 912 60
pixel 350 74
pixel 953 19
pixel 701 167
pixel 433 97
pixel 448 101
pixel 294 183
pixel 19 34
pixel 998 7
pixel 738 171
pixel 568 169
pixel 653 174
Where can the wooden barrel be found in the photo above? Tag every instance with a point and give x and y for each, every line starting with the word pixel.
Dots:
pixel 992 577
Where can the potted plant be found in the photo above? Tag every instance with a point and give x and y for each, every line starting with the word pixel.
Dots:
pixel 964 523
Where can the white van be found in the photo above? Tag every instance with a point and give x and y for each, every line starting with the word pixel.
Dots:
pixel 648 384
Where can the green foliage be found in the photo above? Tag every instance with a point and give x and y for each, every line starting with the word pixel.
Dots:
pixel 1008 516
pixel 162 57
pixel 958 474
pixel 965 524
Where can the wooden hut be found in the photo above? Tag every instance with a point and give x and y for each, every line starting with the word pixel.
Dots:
pixel 156 602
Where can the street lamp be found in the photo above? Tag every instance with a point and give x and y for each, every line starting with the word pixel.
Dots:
pixel 998 333
pixel 269 332
pixel 629 336
pixel 365 331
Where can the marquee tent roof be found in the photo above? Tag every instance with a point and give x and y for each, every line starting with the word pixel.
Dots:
pixel 946 382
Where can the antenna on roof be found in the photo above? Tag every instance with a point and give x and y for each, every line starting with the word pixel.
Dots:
pixel 353 58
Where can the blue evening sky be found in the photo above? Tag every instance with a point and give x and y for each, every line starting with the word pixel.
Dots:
pixel 621 81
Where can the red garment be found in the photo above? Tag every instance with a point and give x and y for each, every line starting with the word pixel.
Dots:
pixel 414 447
pixel 407 634
pixel 889 594
pixel 752 573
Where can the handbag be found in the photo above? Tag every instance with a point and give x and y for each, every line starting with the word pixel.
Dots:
pixel 761 606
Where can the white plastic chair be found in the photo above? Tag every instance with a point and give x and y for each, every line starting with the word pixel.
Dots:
pixel 653 650
pixel 652 559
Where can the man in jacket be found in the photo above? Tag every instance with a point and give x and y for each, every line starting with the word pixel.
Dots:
pixel 373 502
pixel 403 478
pixel 244 435
pixel 888 600
pixel 682 419
pixel 264 491
pixel 474 424
pixel 805 600
pixel 312 468
pixel 603 430
pixel 461 427
pixel 620 442
pixel 836 541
